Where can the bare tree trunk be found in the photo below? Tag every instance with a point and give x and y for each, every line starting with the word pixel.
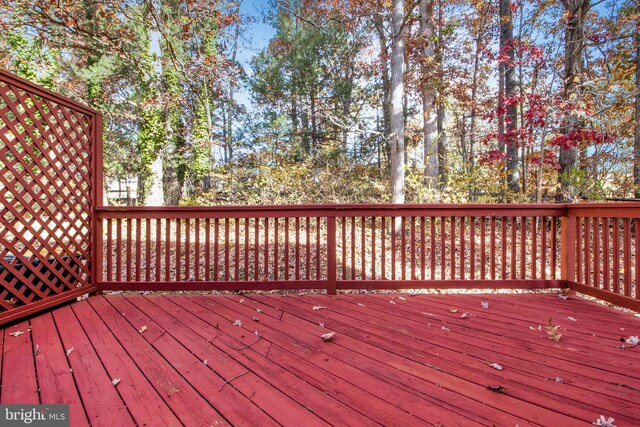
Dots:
pixel 397 97
pixel 511 116
pixel 232 86
pixel 636 141
pixel 440 110
pixel 386 84
pixel 574 44
pixel 430 149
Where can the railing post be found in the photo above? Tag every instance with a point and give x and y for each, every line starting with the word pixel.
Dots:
pixel 331 255
pixel 97 195
pixel 568 248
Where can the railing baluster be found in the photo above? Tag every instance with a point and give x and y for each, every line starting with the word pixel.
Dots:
pixel 297 249
pixel 423 255
pixel 452 249
pixel 543 248
pixel 275 248
pixel 503 251
pixel 344 247
pixel 523 247
pixel 596 252
pixel 236 245
pixel 286 248
pixel 129 255
pixel 432 237
pixel 627 257
pixel 308 244
pixel 216 249
pixel 256 248
pixel 554 246
pixel 472 248
pixel 207 249
pixel 483 248
pixel 158 275
pixel 403 242
pixel 514 229
pixel 363 250
pixel 606 259
pixel 462 248
pixel 616 255
pixel 138 247
pixel 148 250
pixel 493 248
pixel 227 249
pixel 118 249
pixel 373 248
pixel 178 246
pixel 187 250
pixel 443 252
pixel 534 247
pixel 109 250
pixel 246 248
pixel 318 247
pixel 383 244
pixel 637 257
pixel 266 248
pixel 167 249
pixel 196 254
pixel 587 251
pixel 579 262
pixel 393 248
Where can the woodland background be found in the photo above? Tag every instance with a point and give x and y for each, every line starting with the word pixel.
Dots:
pixel 351 101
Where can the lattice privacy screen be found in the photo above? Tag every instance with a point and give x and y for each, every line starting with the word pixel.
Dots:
pixel 45 198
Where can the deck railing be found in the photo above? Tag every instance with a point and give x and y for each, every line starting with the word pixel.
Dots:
pixel 589 247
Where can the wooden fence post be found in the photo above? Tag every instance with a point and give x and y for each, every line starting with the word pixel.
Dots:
pixel 568 248
pixel 331 255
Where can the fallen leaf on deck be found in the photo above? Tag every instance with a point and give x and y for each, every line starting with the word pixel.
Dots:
pixel 484 304
pixel 142 329
pixel 318 307
pixel 69 351
pixel 259 310
pixel 553 331
pixel 256 333
pixel 465 315
pixel 321 324
pixel 573 319
pixel 444 328
pixel 402 298
pixel 115 381
pixel 563 297
pixel 391 301
pixel 237 322
pixel 206 362
pixel 559 380
pixel 453 310
pixel 255 319
pixel 496 388
pixel 632 341
pixel 496 366
pixel 16 333
pixel 604 422
pixel 241 300
pixel 361 304
pixel 36 350
pixel 329 336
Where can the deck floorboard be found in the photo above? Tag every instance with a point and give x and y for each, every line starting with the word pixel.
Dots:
pixel 259 359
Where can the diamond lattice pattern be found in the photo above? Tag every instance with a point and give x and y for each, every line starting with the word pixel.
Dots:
pixel 45 198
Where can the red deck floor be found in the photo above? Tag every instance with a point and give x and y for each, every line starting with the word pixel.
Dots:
pixel 395 360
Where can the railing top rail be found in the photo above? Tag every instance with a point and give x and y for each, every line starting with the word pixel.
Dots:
pixel 31 87
pixel 333 210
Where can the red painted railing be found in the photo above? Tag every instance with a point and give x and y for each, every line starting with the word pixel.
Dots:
pixel 355 247
pixel 331 247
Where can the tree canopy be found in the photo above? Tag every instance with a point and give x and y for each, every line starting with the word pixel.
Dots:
pixel 350 100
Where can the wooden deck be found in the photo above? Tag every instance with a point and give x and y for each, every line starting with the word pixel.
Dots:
pixel 395 360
